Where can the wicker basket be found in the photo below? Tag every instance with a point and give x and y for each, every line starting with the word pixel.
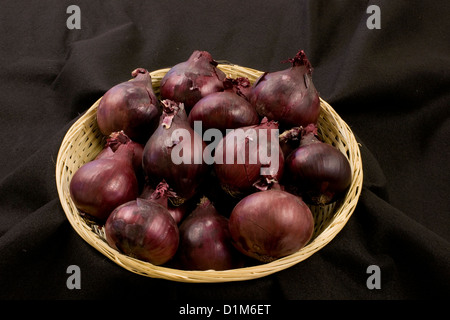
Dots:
pixel 83 141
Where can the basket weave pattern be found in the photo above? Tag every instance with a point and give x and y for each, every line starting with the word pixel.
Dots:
pixel 83 142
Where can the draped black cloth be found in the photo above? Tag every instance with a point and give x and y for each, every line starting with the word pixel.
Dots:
pixel 389 84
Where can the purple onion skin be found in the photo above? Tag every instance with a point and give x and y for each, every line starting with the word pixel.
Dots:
pixel 319 172
pixel 290 140
pixel 143 230
pixel 183 178
pixel 288 96
pixel 131 106
pixel 239 179
pixel 119 138
pixel 177 212
pixel 205 242
pixel 270 224
pixel 163 198
pixel 241 85
pixel 193 79
pixel 223 110
pixel 99 186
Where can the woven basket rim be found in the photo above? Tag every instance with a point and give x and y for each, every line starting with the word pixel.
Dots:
pixel 342 211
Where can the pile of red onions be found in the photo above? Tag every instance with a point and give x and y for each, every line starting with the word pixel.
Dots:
pixel 198 176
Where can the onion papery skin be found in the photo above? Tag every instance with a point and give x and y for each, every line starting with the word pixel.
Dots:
pixel 268 225
pixel 162 195
pixel 144 230
pixel 205 241
pixel 178 212
pixel 186 177
pixel 101 185
pixel 240 85
pixel 288 96
pixel 119 138
pixel 131 106
pixel 189 81
pixel 223 110
pixel 240 176
pixel 290 140
pixel 317 171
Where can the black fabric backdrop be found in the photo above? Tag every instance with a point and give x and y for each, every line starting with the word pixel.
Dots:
pixel 391 85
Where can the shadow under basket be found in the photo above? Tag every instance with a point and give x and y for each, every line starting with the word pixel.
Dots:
pixel 84 141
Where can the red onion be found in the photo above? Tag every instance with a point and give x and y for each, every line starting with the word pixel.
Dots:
pixel 119 138
pixel 205 241
pixel 228 109
pixel 290 140
pixel 241 85
pixel 268 225
pixel 101 185
pixel 174 152
pixel 289 95
pixel 247 156
pixel 178 212
pixel 131 106
pixel 317 170
pixel 162 194
pixel 143 229
pixel 189 81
